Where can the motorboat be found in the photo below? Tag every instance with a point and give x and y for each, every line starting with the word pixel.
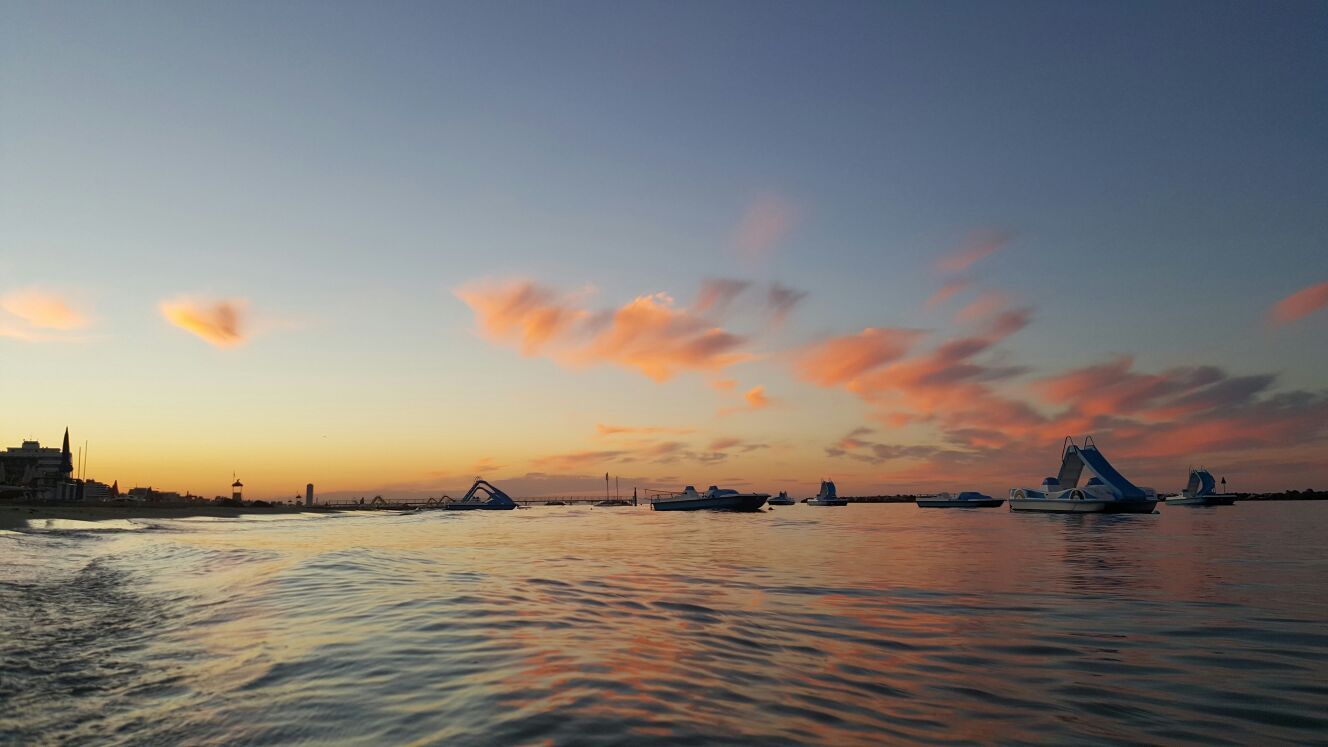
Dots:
pixel 713 499
pixel 827 496
pixel 482 496
pixel 1200 490
pixel 782 499
pixel 1106 492
pixel 966 499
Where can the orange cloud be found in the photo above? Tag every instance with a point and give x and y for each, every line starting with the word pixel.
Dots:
pixel 1300 304
pixel 839 360
pixel 767 220
pixel 220 323
pixel 43 310
pixel 614 430
pixel 650 334
pixel 979 246
pixel 521 311
pixel 756 398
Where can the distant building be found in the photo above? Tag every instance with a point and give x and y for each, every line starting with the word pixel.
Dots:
pixel 96 491
pixel 237 490
pixel 34 471
pixel 309 494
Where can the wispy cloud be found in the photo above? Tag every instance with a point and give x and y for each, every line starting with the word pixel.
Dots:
pixel 1300 304
pixel 767 220
pixel 839 360
pixel 37 315
pixel 950 289
pixel 523 312
pixel 616 430
pixel 650 334
pixel 782 300
pixel 43 310
pixel 979 246
pixel 717 294
pixel 218 322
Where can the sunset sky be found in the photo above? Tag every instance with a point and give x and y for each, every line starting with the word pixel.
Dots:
pixel 908 246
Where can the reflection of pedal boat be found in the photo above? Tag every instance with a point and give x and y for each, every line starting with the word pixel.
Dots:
pixel 714 498
pixel 1200 491
pixel 966 499
pixel 827 496
pixel 782 499
pixel 494 500
pixel 1106 492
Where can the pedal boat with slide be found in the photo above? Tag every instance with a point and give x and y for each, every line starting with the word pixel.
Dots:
pixel 1106 492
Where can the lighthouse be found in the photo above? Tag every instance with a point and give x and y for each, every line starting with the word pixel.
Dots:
pixel 237 488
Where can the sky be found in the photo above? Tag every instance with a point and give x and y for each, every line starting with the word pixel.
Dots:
pixel 388 247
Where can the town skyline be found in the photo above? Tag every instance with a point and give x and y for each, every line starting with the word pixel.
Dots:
pixel 728 247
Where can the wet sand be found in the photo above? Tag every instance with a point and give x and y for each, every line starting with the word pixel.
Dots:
pixel 16 515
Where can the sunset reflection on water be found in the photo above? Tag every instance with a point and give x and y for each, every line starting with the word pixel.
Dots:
pixel 572 625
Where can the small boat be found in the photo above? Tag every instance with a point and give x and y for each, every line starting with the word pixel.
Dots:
pixel 614 502
pixel 1201 491
pixel 493 499
pixel 1107 492
pixel 555 503
pixel 713 498
pixel 782 499
pixel 966 499
pixel 827 496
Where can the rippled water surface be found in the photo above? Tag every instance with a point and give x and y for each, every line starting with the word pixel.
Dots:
pixel 801 625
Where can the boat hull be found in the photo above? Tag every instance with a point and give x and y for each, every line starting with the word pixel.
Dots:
pixel 981 503
pixel 718 503
pixel 458 506
pixel 1207 500
pixel 786 502
pixel 1082 506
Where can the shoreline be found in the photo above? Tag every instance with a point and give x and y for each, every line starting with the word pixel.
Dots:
pixel 14 516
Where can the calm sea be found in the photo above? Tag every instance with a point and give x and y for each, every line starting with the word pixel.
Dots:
pixel 862 625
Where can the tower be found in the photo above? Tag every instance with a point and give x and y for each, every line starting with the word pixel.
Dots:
pixel 66 458
pixel 237 489
pixel 309 494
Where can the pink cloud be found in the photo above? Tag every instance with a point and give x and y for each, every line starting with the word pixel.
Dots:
pixel 839 360
pixel 43 310
pixel 1300 304
pixel 650 334
pixel 522 312
pixel 717 294
pixel 949 290
pixel 979 246
pixel 220 323
pixel 766 222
